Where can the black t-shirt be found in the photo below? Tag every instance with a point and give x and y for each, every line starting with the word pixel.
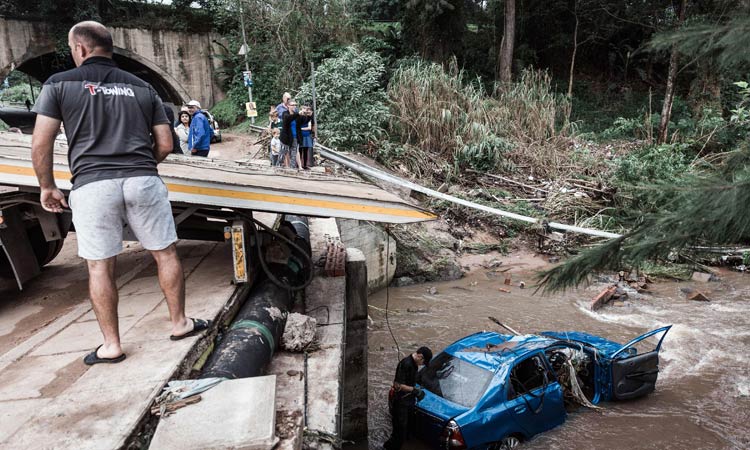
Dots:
pixel 108 116
pixel 406 373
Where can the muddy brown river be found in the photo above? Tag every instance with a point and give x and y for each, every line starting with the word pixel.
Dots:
pixel 702 398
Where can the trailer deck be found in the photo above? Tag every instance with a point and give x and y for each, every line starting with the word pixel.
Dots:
pixel 235 185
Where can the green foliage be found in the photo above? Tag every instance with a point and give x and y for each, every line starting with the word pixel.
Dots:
pixel 724 43
pixel 706 209
pixel 485 155
pixel 226 112
pixel 741 113
pixel 628 128
pixel 18 93
pixel 351 108
pixel 454 123
pixel 643 173
pixel 126 13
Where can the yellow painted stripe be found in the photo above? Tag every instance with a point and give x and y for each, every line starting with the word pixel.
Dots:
pixel 254 196
pixel 298 201
pixel 28 171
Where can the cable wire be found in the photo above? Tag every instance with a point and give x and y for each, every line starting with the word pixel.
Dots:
pixel 262 260
pixel 387 287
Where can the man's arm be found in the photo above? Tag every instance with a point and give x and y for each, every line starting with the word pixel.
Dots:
pixel 42 148
pixel 163 144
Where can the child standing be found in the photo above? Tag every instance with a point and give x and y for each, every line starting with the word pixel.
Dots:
pixel 275 146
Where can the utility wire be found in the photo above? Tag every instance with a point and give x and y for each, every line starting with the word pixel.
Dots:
pixel 387 287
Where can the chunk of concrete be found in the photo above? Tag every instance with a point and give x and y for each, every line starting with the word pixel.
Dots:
pixel 698 297
pixel 299 332
pixel 702 277
pixel 236 414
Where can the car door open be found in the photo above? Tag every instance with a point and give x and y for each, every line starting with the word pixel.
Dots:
pixel 634 373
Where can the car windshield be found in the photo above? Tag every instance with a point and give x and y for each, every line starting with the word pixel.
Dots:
pixel 455 380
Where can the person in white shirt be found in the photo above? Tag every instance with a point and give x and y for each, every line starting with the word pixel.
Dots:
pixel 182 131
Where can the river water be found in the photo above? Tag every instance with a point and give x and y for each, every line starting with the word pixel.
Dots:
pixel 702 398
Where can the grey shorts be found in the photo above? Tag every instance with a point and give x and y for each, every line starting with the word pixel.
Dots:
pixel 292 151
pixel 102 208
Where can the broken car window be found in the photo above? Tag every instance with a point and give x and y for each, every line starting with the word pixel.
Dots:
pixel 455 380
pixel 526 376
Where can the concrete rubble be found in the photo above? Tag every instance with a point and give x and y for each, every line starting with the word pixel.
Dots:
pixel 234 415
pixel 299 332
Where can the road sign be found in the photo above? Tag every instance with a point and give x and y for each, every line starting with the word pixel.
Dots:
pixel 252 111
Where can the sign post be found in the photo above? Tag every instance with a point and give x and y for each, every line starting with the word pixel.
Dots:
pixel 247 74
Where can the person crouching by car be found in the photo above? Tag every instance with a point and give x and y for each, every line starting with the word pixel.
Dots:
pixel 199 137
pixel 405 395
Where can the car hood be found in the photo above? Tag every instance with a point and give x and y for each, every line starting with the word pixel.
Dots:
pixel 605 348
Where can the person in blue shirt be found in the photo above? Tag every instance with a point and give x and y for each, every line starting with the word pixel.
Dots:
pixel 199 137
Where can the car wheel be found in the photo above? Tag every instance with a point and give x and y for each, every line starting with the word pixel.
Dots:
pixel 507 443
pixel 510 442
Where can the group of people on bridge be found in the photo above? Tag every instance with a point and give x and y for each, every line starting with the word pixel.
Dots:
pixel 292 131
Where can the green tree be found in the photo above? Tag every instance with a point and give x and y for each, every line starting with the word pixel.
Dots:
pixel 350 98
pixel 707 209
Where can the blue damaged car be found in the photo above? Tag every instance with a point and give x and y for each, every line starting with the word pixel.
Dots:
pixel 492 391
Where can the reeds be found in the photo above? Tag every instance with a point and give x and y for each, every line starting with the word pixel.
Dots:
pixel 455 123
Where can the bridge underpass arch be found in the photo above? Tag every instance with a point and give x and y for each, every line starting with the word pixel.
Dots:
pixel 46 63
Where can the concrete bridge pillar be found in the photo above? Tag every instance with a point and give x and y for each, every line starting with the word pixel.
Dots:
pixel 354 426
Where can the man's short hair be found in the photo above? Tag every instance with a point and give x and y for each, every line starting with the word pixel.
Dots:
pixel 94 35
pixel 426 354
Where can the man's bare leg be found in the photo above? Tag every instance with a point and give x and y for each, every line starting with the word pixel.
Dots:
pixel 172 282
pixel 104 299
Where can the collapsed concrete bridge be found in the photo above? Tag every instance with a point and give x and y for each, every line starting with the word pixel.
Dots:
pixel 180 66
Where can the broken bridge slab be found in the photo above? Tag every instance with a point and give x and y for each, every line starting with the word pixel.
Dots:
pixel 235 414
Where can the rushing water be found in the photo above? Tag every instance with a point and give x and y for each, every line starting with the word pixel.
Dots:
pixel 702 398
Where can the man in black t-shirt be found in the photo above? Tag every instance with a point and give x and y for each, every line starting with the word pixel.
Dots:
pixel 406 395
pixel 117 133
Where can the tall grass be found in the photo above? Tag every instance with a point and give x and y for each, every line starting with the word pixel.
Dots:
pixel 446 119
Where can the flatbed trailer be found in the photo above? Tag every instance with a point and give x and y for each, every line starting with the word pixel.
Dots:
pixel 209 197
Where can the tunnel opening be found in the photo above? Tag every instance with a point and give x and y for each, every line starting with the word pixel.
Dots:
pixel 46 65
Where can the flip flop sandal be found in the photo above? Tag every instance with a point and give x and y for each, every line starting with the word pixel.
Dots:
pixel 92 358
pixel 199 325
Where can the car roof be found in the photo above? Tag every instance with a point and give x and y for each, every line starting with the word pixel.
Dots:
pixel 490 350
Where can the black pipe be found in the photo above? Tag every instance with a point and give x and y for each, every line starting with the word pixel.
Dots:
pixel 249 343
pixel 254 335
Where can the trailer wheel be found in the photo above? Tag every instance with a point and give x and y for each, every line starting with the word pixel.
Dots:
pixel 44 251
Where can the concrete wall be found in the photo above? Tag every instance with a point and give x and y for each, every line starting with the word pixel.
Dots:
pixel 354 421
pixel 188 59
pixel 183 60
pixel 371 240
